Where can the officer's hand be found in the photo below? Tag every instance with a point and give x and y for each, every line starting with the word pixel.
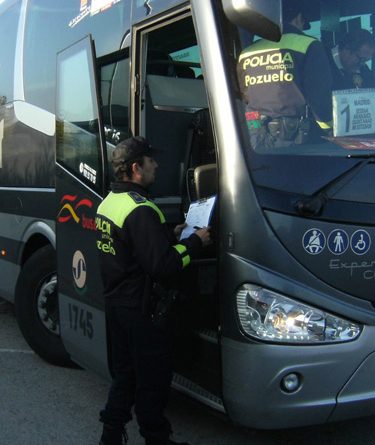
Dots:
pixel 204 235
pixel 178 230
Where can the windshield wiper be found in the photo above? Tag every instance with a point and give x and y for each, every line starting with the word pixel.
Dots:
pixel 361 156
pixel 314 205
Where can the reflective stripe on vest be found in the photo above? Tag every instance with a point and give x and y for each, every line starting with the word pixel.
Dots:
pixel 325 125
pixel 292 42
pixel 182 250
pixel 118 206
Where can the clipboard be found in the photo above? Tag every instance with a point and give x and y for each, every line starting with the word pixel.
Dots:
pixel 198 215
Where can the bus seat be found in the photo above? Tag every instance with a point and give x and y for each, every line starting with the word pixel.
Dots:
pixel 205 180
pixel 170 102
pixel 160 64
pixel 199 153
pixel 177 93
pixel 200 146
pixel 184 71
pixel 205 185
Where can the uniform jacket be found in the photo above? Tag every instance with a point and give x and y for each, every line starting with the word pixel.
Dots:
pixel 343 80
pixel 278 79
pixel 134 243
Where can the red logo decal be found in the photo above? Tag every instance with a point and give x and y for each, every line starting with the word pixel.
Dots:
pixel 69 210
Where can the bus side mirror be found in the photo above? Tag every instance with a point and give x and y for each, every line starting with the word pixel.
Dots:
pixel 260 17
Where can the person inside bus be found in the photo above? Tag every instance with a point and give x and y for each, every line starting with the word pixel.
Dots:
pixel 349 57
pixel 286 85
pixel 137 254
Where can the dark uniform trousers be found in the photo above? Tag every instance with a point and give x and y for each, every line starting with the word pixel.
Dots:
pixel 138 349
pixel 135 245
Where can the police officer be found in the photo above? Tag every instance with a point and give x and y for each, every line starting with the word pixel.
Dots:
pixel 136 249
pixel 286 84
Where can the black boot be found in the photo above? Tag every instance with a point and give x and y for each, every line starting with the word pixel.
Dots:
pixel 113 436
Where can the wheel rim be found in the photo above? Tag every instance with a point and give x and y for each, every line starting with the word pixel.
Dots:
pixel 47 304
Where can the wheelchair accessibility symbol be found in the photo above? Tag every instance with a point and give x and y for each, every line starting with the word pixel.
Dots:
pixel 314 241
pixel 360 242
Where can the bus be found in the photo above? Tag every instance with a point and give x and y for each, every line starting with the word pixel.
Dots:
pixel 277 328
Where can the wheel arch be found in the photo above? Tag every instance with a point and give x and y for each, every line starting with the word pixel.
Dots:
pixel 36 236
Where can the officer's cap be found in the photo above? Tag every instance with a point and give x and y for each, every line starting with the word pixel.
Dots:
pixel 130 150
pixel 291 8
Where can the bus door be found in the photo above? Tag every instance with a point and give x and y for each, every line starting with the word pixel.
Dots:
pixel 171 111
pixel 80 186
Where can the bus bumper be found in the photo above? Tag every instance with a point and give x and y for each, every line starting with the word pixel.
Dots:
pixel 336 382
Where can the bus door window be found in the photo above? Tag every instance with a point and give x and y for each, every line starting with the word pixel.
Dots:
pixel 114 93
pixel 173 93
pixel 77 128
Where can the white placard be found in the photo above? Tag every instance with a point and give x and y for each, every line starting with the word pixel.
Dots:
pixel 353 112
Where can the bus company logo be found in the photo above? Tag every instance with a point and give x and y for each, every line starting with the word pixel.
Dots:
pixel 90 8
pixel 88 172
pixel 72 209
pixel 83 5
pixel 79 269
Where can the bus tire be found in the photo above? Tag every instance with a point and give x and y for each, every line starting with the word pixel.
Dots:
pixel 36 307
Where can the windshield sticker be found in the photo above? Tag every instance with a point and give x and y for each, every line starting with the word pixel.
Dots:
pixel 353 112
pixel 360 242
pixel 314 241
pixel 338 241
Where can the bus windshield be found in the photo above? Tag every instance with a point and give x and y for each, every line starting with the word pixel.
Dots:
pixel 306 105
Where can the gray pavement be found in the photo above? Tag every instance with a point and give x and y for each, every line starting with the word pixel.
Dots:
pixel 42 404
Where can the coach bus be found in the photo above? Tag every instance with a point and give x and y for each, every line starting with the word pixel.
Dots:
pixel 278 327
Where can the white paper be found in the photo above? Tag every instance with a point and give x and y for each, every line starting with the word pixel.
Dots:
pixel 199 215
pixel 353 112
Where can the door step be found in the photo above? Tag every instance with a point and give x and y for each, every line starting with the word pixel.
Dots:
pixel 208 335
pixel 186 386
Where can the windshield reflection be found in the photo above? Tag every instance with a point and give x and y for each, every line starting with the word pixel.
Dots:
pixel 314 87
pixel 308 101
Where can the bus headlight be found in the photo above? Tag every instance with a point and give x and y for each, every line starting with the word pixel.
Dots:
pixel 269 316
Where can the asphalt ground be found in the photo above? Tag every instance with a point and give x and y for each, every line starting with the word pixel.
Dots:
pixel 41 404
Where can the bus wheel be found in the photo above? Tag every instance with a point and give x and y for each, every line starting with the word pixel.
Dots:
pixel 37 309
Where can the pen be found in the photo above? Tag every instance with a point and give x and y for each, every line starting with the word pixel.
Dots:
pixel 197 228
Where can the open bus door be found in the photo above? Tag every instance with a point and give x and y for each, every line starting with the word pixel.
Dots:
pixel 171 110
pixel 80 179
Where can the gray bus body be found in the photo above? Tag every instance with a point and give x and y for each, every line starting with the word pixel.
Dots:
pixel 279 324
